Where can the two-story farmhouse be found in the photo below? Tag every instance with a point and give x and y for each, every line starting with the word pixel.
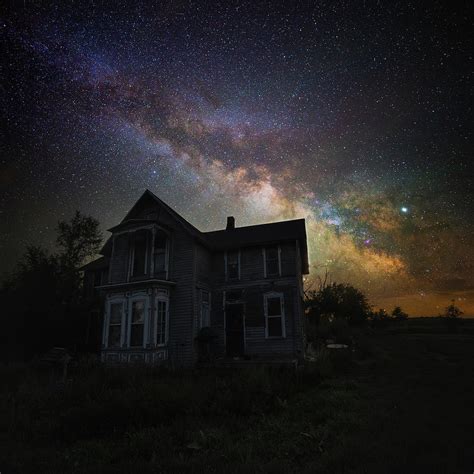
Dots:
pixel 161 281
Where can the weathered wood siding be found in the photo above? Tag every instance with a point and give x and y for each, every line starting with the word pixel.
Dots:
pixel 202 281
pixel 252 264
pixel 181 272
pixel 120 258
pixel 255 341
pixel 218 322
pixel 253 299
pixel 288 259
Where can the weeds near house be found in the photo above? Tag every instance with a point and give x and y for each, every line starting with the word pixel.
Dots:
pixel 370 412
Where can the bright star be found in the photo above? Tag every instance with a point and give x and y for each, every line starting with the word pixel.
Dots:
pixel 404 209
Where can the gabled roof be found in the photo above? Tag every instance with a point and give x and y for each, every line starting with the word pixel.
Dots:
pixel 99 264
pixel 275 232
pixel 148 194
pixel 262 234
pixel 129 220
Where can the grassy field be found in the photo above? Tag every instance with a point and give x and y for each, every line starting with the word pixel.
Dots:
pixel 404 404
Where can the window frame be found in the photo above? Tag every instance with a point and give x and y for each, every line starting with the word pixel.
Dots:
pixel 226 260
pixel 265 270
pixel 163 298
pixel 131 300
pixel 202 304
pixel 165 252
pixel 132 253
pixel 110 302
pixel 266 297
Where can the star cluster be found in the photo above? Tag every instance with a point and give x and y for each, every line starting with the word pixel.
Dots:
pixel 353 115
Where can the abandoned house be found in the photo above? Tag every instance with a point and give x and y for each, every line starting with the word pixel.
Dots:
pixel 162 285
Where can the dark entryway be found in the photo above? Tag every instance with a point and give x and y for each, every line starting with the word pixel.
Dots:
pixel 234 320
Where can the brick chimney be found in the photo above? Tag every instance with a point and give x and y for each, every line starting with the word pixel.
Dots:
pixel 230 223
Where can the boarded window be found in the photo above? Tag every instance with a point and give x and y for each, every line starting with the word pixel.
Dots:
pixel 272 261
pixel 233 265
pixel 274 315
pixel 115 324
pixel 137 323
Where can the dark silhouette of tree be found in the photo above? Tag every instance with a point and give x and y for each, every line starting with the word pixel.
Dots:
pixel 398 314
pixel 78 239
pixel 337 300
pixel 452 311
pixel 41 299
pixel 379 319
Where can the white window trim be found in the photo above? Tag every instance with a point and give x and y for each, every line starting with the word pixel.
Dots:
pixel 265 273
pixel 274 294
pixel 110 302
pixel 164 298
pixel 145 322
pixel 238 266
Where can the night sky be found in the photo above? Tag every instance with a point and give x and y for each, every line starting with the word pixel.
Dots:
pixel 354 115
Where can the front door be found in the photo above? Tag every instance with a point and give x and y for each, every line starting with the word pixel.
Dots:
pixel 234 320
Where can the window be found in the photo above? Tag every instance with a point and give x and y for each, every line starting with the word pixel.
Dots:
pixel 137 324
pixel 139 253
pixel 115 324
pixel 272 261
pixel 161 321
pixel 160 252
pixel 274 315
pixel 232 265
pixel 205 309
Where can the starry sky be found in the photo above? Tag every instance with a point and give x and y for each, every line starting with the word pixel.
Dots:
pixel 354 115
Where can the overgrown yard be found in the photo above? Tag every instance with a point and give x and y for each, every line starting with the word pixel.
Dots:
pixel 406 404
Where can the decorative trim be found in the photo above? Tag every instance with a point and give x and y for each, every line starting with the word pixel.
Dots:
pixel 137 282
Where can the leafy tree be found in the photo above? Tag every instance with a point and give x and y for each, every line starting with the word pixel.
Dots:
pixel 452 311
pixel 41 299
pixel 398 314
pixel 78 239
pixel 337 300
pixel 379 318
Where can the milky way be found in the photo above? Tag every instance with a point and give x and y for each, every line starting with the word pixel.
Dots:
pixel 353 115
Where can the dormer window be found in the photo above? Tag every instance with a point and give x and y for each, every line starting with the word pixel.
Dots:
pixel 272 261
pixel 139 260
